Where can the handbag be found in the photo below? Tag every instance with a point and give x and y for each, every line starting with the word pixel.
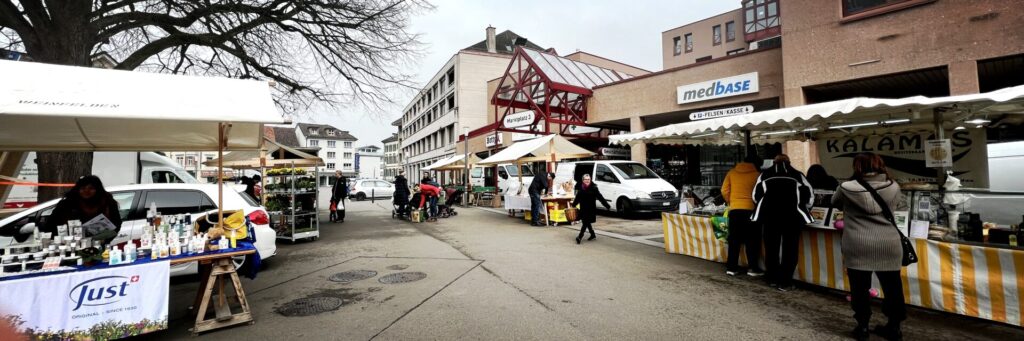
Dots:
pixel 909 255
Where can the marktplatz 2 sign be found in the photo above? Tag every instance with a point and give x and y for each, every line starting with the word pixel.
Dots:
pixel 718 88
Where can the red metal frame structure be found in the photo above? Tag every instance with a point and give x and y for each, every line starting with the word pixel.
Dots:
pixel 554 88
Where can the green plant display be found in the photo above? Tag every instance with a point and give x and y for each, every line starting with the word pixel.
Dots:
pixel 108 330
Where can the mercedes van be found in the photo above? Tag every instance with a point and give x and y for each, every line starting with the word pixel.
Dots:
pixel 629 186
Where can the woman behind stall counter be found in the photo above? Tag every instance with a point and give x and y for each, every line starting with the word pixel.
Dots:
pixel 86 200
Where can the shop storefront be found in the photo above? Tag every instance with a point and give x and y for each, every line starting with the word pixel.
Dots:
pixel 966 238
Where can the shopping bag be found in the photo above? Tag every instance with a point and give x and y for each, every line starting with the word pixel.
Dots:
pixel 416 216
pixel 334 206
pixel 721 227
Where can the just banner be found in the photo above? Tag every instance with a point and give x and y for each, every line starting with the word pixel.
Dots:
pixel 89 305
pixel 904 155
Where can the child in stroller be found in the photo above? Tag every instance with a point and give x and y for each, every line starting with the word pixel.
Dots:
pixel 448 208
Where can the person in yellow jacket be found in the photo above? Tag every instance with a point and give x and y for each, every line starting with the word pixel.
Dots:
pixel 738 189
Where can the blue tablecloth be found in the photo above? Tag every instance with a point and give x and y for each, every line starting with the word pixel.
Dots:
pixel 254 258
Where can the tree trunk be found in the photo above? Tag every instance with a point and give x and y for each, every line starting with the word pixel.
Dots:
pixel 69 41
pixel 62 167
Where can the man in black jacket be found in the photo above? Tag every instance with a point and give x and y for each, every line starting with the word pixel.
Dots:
pixel 783 198
pixel 538 187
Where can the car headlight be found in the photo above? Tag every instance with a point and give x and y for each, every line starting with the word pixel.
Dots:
pixel 642 195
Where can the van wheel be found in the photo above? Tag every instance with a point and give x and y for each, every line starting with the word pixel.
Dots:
pixel 624 206
pixel 360 196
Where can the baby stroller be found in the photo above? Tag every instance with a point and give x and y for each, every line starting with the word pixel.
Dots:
pixel 448 208
pixel 401 211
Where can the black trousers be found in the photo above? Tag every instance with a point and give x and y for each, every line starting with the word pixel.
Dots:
pixel 743 233
pixel 782 237
pixel 586 227
pixel 860 297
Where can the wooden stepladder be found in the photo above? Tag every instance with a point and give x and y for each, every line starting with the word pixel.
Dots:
pixel 216 272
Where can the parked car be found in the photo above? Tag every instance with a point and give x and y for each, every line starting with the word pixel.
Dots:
pixel 629 186
pixel 371 188
pixel 170 199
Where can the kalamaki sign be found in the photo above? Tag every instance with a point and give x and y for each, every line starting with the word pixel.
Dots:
pixel 718 88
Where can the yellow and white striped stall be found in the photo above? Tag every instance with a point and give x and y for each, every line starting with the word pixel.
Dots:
pixel 970 280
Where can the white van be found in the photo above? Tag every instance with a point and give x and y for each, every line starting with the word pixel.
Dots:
pixel 629 186
pixel 114 168
pixel 508 176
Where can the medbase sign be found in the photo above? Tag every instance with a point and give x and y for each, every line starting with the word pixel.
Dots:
pixel 904 156
pixel 103 304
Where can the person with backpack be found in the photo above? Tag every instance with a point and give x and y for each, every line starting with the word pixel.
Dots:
pixel 872 243
pixel 783 202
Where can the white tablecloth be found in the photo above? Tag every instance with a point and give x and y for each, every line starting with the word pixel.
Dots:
pixel 517 202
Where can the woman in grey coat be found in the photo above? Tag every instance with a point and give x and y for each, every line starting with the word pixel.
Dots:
pixel 871 244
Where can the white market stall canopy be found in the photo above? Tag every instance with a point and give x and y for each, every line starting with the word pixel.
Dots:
pixel 46 107
pixel 839 116
pixel 277 155
pixel 538 149
pixel 452 163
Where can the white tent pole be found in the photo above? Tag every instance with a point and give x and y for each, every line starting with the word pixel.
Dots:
pixel 220 175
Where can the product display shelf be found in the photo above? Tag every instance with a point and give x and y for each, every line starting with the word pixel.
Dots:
pixel 296 217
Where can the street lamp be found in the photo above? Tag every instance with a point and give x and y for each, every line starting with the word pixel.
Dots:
pixel 465 161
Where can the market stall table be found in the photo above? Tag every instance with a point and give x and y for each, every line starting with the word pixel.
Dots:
pixel 115 301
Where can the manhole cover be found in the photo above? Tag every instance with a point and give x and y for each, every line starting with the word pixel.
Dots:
pixel 398 267
pixel 352 276
pixel 309 306
pixel 402 277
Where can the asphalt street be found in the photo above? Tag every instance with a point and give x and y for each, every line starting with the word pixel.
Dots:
pixel 489 276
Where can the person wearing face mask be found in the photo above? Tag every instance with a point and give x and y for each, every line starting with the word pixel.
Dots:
pixel 586 196
pixel 85 201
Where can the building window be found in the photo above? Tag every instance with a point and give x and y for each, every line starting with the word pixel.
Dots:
pixel 761 18
pixel 331 155
pixel 730 31
pixel 314 143
pixel 348 144
pixel 331 144
pixel 330 132
pixel 716 35
pixel 330 166
pixel 347 165
pixel 703 59
pixel 312 131
pixel 851 7
pixel 689 42
pixel 677 46
pixel 348 155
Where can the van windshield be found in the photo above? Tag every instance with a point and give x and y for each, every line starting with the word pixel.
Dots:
pixel 527 172
pixel 634 171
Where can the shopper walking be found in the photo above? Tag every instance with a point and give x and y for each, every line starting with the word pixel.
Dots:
pixel 783 198
pixel 339 192
pixel 737 190
pixel 871 243
pixel 538 188
pixel 401 196
pixel 586 196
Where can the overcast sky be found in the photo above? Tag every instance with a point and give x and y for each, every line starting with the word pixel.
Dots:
pixel 625 31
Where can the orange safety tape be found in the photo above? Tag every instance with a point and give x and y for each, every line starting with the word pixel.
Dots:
pixel 9 183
